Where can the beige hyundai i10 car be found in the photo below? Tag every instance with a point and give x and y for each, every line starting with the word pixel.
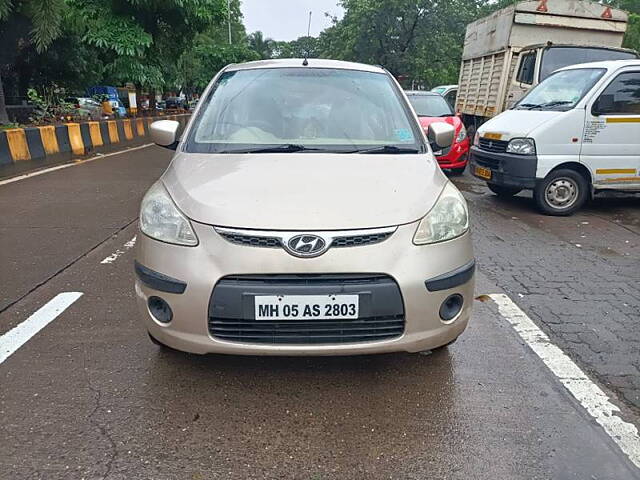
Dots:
pixel 304 214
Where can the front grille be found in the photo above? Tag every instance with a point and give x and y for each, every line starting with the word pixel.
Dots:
pixel 252 240
pixel 444 152
pixel 360 240
pixel 231 310
pixel 274 240
pixel 495 146
pixel 307 332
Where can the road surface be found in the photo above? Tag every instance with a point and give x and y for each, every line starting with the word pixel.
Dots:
pixel 85 395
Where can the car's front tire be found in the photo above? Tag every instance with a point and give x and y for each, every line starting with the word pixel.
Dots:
pixel 562 192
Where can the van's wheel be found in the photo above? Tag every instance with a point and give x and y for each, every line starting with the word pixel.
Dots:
pixel 502 191
pixel 562 192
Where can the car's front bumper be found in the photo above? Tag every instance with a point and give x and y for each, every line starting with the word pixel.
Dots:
pixel 507 169
pixel 456 158
pixel 201 268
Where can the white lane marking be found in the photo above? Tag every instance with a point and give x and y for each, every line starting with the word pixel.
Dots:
pixel 114 256
pixel 592 398
pixel 20 334
pixel 73 164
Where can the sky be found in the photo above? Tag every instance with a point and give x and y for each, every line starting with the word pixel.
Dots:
pixel 288 19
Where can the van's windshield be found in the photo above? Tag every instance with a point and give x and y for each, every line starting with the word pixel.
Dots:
pixel 304 110
pixel 562 90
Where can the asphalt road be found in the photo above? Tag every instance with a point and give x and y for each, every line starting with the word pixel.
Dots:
pixel 90 397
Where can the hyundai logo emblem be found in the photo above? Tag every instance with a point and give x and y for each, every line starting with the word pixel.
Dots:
pixel 306 245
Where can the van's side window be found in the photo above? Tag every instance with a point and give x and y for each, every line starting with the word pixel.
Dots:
pixel 527 68
pixel 621 97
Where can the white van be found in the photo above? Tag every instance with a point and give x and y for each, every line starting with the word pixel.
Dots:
pixel 576 134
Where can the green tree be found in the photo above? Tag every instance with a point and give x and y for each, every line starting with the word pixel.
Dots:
pixel 45 17
pixel 414 39
pixel 262 46
pixel 303 46
pixel 142 41
pixel 210 51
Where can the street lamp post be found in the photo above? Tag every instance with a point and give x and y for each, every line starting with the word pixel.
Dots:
pixel 229 18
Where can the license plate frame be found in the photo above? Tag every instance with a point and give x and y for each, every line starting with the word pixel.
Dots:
pixel 482 172
pixel 306 307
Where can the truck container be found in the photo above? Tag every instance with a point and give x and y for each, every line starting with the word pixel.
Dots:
pixel 513 49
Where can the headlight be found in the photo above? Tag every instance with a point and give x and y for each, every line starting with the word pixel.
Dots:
pixel 448 219
pixel 161 219
pixel 522 146
pixel 462 135
pixel 476 139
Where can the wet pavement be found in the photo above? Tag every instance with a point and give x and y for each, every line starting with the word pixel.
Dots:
pixel 91 397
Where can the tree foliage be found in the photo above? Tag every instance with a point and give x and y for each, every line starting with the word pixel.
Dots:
pixel 176 45
pixel 264 47
pixel 419 41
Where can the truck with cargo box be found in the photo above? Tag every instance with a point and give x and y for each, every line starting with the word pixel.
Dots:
pixel 512 50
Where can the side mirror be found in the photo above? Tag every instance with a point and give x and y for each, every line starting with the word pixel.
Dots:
pixel 440 135
pixel 165 133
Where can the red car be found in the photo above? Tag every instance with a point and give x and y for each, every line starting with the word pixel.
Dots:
pixel 432 107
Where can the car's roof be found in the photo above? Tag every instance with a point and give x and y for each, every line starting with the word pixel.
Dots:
pixel 609 64
pixel 425 93
pixel 312 63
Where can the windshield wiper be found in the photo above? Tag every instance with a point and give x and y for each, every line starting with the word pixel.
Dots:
pixel 285 148
pixel 388 149
pixel 527 106
pixel 555 103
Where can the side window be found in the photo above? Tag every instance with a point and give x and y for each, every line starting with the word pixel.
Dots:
pixel 451 98
pixel 621 97
pixel 527 68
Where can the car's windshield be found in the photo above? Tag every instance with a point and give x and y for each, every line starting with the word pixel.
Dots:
pixel 555 58
pixel 430 106
pixel 562 90
pixel 303 109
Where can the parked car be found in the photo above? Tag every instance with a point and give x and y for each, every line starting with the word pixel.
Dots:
pixel 574 135
pixel 432 107
pixel 112 95
pixel 86 107
pixel 304 214
pixel 449 92
pixel 174 103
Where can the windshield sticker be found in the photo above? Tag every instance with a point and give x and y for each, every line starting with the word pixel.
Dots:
pixel 592 129
pixel 403 134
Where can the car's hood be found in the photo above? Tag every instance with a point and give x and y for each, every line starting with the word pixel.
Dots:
pixel 516 123
pixel 305 191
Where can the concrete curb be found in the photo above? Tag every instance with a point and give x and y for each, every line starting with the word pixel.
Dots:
pixel 74 139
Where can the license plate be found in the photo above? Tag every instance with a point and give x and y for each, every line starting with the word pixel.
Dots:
pixel 483 173
pixel 306 307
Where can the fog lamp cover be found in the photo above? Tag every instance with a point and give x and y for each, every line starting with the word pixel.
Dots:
pixel 160 310
pixel 451 307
